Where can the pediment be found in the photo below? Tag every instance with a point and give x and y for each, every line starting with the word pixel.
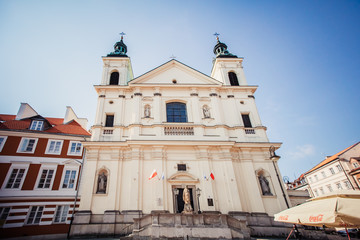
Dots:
pixel 71 162
pixel 172 71
pixel 183 177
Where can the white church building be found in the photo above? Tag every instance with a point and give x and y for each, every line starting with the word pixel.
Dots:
pixel 170 128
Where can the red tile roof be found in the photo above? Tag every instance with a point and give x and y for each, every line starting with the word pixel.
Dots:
pixel 15 124
pixel 55 121
pixel 73 127
pixel 5 117
pixel 331 158
pixel 70 128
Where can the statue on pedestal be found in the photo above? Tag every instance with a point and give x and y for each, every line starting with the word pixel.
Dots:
pixel 186 197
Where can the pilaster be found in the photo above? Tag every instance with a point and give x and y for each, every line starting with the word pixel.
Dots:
pixel 195 105
pixel 251 184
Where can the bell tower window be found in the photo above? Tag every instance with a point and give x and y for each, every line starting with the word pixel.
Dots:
pixel 233 79
pixel 114 78
pixel 109 121
pixel 246 120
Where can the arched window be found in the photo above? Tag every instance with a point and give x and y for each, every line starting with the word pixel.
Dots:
pixel 114 78
pixel 233 79
pixel 176 112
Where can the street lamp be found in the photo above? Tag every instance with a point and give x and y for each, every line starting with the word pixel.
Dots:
pixel 176 193
pixel 198 193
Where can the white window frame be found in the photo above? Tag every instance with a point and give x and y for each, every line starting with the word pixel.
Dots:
pixel 8 175
pixel 355 164
pixel 69 148
pixel 64 174
pixel 40 174
pixel 60 209
pixel 18 175
pixel 323 174
pixel 34 217
pixel 337 186
pixel 339 167
pixel 316 193
pixel 19 150
pixel 322 190
pixel 4 213
pixel 347 184
pixel 332 171
pixel 316 177
pixel 3 142
pixel 330 188
pixel 37 125
pixel 49 145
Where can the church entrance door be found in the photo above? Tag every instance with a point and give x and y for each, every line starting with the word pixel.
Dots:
pixel 178 198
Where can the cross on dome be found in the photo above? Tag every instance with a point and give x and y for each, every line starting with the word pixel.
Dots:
pixel 122 34
pixel 220 49
pixel 217 35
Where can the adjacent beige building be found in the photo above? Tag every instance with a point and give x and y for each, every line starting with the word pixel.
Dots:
pixel 336 172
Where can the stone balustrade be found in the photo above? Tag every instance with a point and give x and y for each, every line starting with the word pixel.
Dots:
pixel 178 130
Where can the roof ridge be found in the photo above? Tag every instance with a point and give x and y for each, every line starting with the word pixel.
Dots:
pixel 331 158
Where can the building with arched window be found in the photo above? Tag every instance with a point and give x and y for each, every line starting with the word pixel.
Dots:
pixel 175 141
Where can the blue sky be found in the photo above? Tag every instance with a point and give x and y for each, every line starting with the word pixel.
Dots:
pixel 304 55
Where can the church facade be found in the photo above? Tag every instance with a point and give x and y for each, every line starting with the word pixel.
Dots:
pixel 175 128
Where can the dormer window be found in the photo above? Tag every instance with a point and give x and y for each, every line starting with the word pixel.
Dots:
pixel 37 125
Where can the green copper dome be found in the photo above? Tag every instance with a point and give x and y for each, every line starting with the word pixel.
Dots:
pixel 220 50
pixel 120 49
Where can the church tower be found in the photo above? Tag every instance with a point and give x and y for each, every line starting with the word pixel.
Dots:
pixel 176 141
pixel 117 66
pixel 227 67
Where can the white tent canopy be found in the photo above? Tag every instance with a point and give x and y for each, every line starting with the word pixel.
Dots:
pixel 340 209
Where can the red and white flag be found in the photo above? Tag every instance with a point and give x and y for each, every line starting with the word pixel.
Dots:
pixel 153 174
pixel 212 176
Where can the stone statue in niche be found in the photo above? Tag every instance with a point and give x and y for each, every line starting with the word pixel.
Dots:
pixel 102 183
pixel 186 197
pixel 206 111
pixel 147 112
pixel 264 183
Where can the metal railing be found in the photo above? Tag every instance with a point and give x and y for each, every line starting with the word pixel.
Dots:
pixel 108 131
pixel 249 131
